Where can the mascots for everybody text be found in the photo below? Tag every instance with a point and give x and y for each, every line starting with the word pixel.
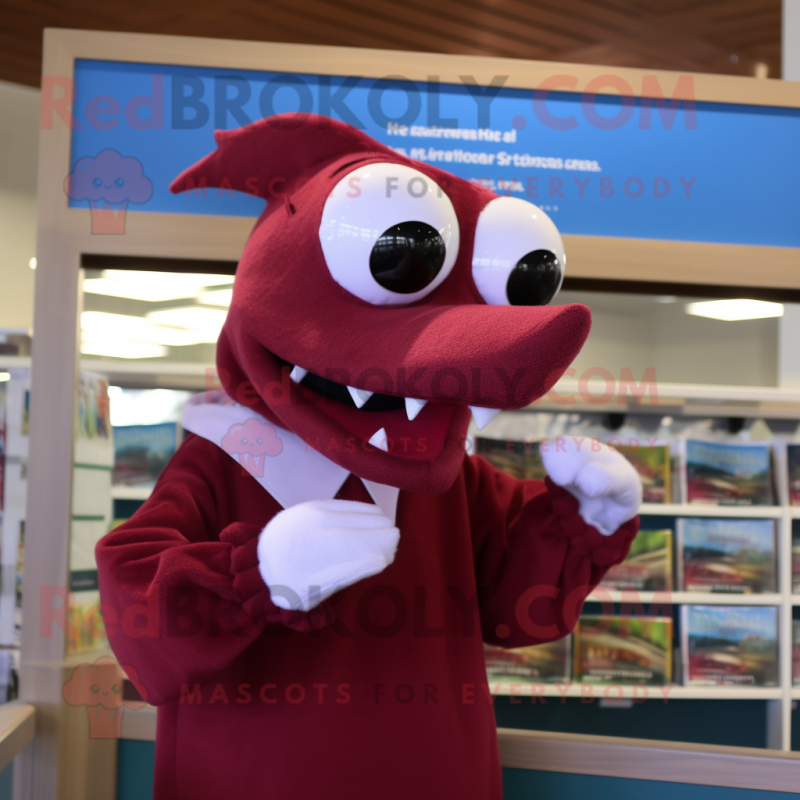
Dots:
pixel 319 564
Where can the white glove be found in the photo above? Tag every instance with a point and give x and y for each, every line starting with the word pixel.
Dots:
pixel 606 485
pixel 311 550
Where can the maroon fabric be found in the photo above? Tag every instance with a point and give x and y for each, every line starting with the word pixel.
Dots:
pixel 382 692
pixel 286 304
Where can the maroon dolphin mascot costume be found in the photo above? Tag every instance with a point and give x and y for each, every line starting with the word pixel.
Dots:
pixel 306 592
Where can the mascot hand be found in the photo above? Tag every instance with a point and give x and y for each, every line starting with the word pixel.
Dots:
pixel 313 549
pixel 606 485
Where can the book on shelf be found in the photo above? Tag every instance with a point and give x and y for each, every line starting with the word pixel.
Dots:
pixel 16 393
pixel 142 451
pixel 714 473
pixel 93 410
pixel 91 512
pixel 7 670
pixel 726 555
pixel 796 652
pixel 520 459
pixel 2 443
pixel 540 663
pixel 623 650
pixel 653 464
pixel 793 465
pixel 648 566
pixel 729 645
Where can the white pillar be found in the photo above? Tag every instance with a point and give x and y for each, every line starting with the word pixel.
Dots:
pixel 790 67
pixel 789 323
pixel 789 346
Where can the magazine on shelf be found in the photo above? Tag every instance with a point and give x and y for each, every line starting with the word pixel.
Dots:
pixel 729 645
pixel 796 651
pixel 726 474
pixel 17 400
pixel 793 466
pixel 520 459
pixel 93 409
pixel 624 650
pixel 541 663
pixel 648 566
pixel 142 451
pixel 2 443
pixel 651 460
pixel 726 555
pixel 795 557
pixel 91 511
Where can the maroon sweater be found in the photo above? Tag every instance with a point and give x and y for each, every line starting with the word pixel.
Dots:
pixel 379 692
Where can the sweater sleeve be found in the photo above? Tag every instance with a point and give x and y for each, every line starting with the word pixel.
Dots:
pixel 536 560
pixel 182 595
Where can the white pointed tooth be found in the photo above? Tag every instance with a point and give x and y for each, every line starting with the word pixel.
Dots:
pixel 483 416
pixel 414 406
pixel 379 440
pixel 297 374
pixel 360 396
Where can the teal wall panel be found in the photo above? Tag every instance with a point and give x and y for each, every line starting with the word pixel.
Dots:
pixel 525 784
pixel 136 761
pixel 135 764
pixel 7 782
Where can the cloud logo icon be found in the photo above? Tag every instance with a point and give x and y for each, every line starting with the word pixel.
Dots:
pixel 99 687
pixel 251 442
pixel 108 181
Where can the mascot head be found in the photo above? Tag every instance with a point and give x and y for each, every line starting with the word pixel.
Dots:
pixel 379 301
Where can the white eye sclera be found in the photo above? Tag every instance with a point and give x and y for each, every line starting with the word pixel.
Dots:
pixel 518 258
pixel 389 234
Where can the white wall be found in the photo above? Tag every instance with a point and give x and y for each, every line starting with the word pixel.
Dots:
pixel 19 144
pixel 790 51
pixel 636 332
pixel 789 329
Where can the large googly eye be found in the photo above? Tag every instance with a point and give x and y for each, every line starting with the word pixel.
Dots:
pixel 518 258
pixel 389 234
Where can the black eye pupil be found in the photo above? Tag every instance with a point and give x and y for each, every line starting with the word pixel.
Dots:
pixel 407 257
pixel 535 279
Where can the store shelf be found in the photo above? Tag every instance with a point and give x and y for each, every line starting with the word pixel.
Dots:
pixel 615 691
pixel 683 399
pixel 14 362
pixel 685 598
pixel 153 373
pixel 131 492
pixel 686 510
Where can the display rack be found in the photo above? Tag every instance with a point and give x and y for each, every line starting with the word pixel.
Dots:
pixel 779 716
pixel 61 763
pixel 689 399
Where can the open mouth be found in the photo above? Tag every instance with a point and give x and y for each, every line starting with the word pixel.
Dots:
pixel 403 426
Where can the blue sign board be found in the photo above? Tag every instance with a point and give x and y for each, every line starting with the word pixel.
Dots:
pixel 600 165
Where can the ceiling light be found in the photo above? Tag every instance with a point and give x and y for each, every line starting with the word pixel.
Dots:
pixel 734 310
pixel 135 291
pixel 96 325
pixel 196 279
pixel 151 287
pixel 206 322
pixel 5 376
pixel 32 263
pixel 221 297
pixel 122 348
